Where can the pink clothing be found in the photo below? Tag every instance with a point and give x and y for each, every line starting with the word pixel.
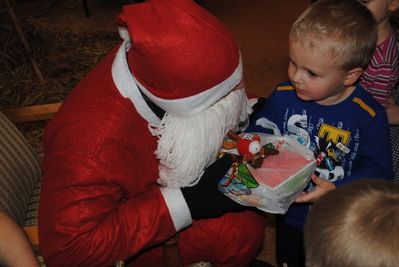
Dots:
pixel 381 75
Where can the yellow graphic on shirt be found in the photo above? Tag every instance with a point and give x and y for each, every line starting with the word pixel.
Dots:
pixel 334 134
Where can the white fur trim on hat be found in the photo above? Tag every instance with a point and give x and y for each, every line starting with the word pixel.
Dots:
pixel 188 106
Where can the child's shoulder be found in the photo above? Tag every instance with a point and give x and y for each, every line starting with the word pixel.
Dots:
pixel 285 86
pixel 363 102
pixel 284 89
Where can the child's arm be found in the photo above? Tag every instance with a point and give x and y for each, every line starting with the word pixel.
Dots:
pixel 322 186
pixel 15 249
pixel 392 112
pixel 374 155
pixel 265 107
pixel 384 78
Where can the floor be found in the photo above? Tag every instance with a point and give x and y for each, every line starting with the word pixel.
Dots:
pixel 260 26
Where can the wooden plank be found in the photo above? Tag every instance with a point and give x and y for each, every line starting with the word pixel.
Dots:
pixel 32 113
pixel 32 233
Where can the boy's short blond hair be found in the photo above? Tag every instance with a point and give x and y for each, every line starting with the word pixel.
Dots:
pixel 345 28
pixel 356 225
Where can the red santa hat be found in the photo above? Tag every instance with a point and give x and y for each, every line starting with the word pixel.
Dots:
pixel 181 56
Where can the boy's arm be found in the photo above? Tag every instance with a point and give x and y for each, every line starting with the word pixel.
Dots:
pixel 374 158
pixel 265 107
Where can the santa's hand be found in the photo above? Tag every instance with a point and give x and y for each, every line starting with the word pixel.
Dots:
pixel 204 199
pixel 322 186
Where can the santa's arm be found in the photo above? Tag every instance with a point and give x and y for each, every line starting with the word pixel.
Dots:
pixel 93 220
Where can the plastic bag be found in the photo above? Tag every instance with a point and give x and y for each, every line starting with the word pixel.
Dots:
pixel 273 186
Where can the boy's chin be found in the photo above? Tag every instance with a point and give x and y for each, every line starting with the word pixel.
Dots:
pixel 303 97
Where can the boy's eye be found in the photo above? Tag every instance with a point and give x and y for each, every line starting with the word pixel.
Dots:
pixel 311 73
pixel 364 2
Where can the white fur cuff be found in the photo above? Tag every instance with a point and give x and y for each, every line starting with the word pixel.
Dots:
pixel 177 206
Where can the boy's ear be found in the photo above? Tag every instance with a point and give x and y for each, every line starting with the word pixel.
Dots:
pixel 352 76
pixel 393 5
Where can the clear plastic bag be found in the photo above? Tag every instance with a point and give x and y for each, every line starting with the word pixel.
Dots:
pixel 274 185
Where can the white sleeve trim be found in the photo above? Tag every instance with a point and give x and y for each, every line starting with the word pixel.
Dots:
pixel 177 206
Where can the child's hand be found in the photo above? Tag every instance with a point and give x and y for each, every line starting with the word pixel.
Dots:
pixel 390 100
pixel 322 187
pixel 392 113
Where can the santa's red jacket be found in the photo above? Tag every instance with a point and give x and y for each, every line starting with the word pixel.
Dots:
pixel 99 199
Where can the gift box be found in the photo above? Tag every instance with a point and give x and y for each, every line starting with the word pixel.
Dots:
pixel 269 179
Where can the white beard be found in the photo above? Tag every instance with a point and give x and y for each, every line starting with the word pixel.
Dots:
pixel 186 146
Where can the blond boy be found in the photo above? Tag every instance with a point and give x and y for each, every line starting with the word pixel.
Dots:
pixel 357 226
pixel 324 108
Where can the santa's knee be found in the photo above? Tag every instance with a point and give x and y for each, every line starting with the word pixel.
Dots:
pixel 241 234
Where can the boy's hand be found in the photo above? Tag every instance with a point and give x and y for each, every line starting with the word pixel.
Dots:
pixel 322 187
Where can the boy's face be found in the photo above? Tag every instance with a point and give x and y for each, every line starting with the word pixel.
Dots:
pixel 314 75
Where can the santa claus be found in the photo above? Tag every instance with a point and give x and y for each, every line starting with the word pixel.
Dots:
pixel 129 158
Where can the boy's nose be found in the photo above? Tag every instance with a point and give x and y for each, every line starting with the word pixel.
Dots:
pixel 297 78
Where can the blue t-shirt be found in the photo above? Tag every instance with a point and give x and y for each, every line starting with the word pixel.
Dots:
pixel 350 139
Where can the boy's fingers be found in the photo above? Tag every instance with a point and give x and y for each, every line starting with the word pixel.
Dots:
pixel 306 197
pixel 322 183
pixel 316 179
pixel 322 186
pixel 301 198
